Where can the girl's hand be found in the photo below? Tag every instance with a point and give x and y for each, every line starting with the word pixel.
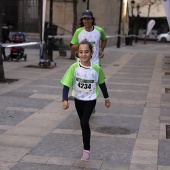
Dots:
pixel 107 103
pixel 65 104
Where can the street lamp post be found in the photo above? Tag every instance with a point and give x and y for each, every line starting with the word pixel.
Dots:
pixel 137 21
pixel 50 39
pixel 132 6
pixel 2 74
pixel 119 29
pixel 132 21
pixel 87 4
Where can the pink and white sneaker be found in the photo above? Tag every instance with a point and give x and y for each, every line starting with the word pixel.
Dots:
pixel 86 155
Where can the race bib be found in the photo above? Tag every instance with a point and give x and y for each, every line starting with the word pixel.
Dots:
pixel 84 85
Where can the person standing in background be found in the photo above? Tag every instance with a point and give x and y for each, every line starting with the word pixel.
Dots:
pixel 92 33
pixel 5 37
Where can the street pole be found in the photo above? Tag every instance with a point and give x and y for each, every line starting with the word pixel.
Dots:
pixel 132 32
pixel 119 29
pixel 51 13
pixel 87 4
pixel 50 40
pixel 137 22
pixel 2 74
pixel 137 27
pixel 133 18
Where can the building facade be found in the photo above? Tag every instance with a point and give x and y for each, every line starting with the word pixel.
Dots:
pixel 149 10
pixel 24 14
pixel 106 15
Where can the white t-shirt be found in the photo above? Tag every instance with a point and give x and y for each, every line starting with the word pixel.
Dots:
pixel 84 81
pixel 93 37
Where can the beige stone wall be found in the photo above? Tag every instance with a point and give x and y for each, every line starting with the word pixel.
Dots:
pixel 106 13
pixel 62 16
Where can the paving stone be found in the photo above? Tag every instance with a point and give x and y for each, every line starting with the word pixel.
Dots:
pixel 5 165
pixel 12 154
pixel 145 153
pixel 165 82
pixel 143 167
pixel 144 160
pixel 164 153
pixel 127 87
pixel 61 161
pixel 13 117
pixel 39 123
pixel 15 94
pixel 33 166
pixel 2 131
pixel 43 96
pixel 146 144
pixel 160 167
pixel 35 159
pixel 133 76
pixel 24 102
pixel 46 81
pixel 88 165
pixel 120 109
pixel 165 97
pixel 40 89
pixel 29 131
pixel 114 166
pixel 5 127
pixel 165 111
pixel 22 109
pixel 59 145
pixel 130 81
pixel 148 134
pixel 132 70
pixel 128 95
pixel 19 141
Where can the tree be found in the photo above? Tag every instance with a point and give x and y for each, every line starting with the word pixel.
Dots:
pixel 74 25
pixel 2 75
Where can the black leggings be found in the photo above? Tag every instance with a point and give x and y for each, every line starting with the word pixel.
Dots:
pixel 84 110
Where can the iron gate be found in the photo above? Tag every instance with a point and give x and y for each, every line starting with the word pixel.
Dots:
pixel 23 13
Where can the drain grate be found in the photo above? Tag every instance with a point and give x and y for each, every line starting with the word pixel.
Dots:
pixel 167 131
pixel 113 130
pixel 167 73
pixel 167 90
pixel 167 56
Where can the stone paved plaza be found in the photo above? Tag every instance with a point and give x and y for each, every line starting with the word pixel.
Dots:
pixel 37 134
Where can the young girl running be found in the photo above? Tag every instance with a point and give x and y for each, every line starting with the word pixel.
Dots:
pixel 84 78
